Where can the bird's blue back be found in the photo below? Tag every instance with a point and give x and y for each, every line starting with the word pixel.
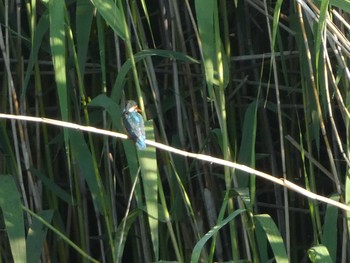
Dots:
pixel 135 126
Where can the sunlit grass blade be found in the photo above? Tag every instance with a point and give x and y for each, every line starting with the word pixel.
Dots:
pixel 343 5
pixel 149 174
pixel 273 236
pixel 112 14
pixel 263 245
pixel 11 206
pixel 319 254
pixel 58 48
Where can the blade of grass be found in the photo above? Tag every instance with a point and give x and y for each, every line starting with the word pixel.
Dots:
pixel 84 15
pixel 273 37
pixel 149 173
pixel 344 5
pixel 247 147
pixel 53 187
pixel 61 235
pixel 112 14
pixel 121 78
pixel 204 14
pixel 57 42
pixel 261 240
pixel 247 156
pixel 200 244
pixel 37 235
pixel 122 232
pixel 7 152
pixel 319 254
pixel 10 203
pixel 82 156
pixel 86 167
pixel 273 236
pixel 330 230
pixel 347 198
pixel 41 29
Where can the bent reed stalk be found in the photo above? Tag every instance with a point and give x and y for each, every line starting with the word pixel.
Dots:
pixel 281 181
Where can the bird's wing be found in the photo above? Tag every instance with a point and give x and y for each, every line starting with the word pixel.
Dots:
pixel 134 124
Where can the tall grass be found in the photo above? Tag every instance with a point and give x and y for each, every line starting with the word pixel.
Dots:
pixel 261 84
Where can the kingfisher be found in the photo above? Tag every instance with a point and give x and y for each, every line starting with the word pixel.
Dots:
pixel 134 124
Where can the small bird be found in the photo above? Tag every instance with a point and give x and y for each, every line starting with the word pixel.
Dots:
pixel 134 124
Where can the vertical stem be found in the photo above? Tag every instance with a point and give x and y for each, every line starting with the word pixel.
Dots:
pixel 130 53
pixel 222 113
pixel 280 125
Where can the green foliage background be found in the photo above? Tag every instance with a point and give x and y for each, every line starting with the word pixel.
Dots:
pixel 265 84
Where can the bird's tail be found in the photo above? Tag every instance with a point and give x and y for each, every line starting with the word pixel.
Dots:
pixel 140 143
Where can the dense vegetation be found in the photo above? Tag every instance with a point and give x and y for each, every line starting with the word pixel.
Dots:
pixel 261 84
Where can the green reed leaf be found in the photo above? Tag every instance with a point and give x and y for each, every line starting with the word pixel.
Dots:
pixel 11 206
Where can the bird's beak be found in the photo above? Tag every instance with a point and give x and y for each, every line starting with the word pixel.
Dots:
pixel 134 108
pixel 138 109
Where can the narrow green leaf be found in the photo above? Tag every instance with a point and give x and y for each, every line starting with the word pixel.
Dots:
pixel 319 254
pixel 149 173
pixel 110 106
pixel 121 78
pixel 7 152
pixel 262 243
pixel 36 236
pixel 40 31
pixel 347 198
pixel 205 20
pixel 112 14
pixel 166 54
pixel 58 48
pixel 273 236
pixel 60 235
pixel 82 156
pixel 145 10
pixel 200 244
pixel 341 4
pixel 10 203
pixel 320 27
pixel 247 148
pixel 218 136
pixel 84 15
pixel 330 229
pixel 50 185
pixel 122 232
pixel 276 17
